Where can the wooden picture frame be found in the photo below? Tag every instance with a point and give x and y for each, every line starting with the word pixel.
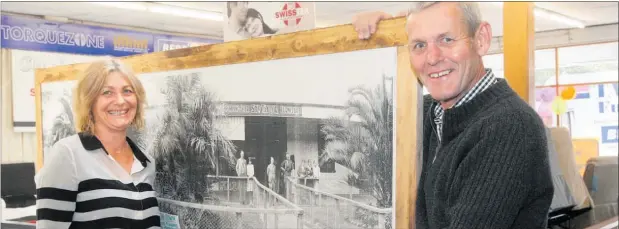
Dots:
pixel 343 38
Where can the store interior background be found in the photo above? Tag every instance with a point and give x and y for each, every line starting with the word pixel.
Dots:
pixel 576 46
pixel 566 55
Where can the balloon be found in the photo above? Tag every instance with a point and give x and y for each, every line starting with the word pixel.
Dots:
pixel 558 105
pixel 568 93
pixel 545 94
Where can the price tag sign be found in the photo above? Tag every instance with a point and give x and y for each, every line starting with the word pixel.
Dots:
pixel 169 221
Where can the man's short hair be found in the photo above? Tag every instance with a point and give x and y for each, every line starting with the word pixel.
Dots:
pixel 470 12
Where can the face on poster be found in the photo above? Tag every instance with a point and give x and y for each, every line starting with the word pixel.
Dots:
pixel 245 20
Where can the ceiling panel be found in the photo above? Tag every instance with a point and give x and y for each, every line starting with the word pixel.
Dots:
pixel 328 14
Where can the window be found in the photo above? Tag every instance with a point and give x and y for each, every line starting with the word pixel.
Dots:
pixel 545 67
pixel 593 72
pixel 495 62
pixel 588 64
pixel 592 114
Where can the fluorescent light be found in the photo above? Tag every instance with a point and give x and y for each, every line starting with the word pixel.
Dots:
pixel 165 9
pixel 124 5
pixel 551 15
pixel 185 12
pixel 558 18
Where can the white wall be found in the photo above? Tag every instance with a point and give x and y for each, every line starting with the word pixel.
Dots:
pixel 16 147
pixel 302 139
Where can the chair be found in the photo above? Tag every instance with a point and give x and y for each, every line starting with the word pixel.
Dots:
pixel 571 198
pixel 601 176
pixel 18 188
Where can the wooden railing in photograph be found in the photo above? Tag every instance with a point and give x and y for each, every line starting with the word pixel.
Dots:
pixel 330 210
pixel 237 207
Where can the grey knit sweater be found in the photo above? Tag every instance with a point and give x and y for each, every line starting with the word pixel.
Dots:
pixel 491 169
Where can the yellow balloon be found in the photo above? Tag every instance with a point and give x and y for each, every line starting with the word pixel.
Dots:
pixel 558 105
pixel 568 93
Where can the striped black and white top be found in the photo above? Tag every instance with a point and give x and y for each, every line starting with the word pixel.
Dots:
pixel 81 186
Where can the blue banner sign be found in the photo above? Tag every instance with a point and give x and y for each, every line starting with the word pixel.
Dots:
pixel 27 33
pixel 168 42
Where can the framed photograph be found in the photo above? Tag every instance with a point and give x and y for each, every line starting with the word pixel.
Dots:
pixel 313 129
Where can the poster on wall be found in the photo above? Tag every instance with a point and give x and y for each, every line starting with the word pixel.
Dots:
pixel 592 114
pixel 607 122
pixel 245 20
pixel 23 65
pixel 252 146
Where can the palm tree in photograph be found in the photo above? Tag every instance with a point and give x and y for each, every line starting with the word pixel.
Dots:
pixel 187 143
pixel 63 125
pixel 363 140
pixel 186 147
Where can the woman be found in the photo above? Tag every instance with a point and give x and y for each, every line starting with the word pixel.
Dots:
pixel 255 26
pixel 99 178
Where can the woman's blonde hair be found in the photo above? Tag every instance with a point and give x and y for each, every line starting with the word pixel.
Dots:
pixel 89 88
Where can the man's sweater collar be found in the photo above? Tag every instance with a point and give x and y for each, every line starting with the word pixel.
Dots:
pixel 457 118
pixel 486 81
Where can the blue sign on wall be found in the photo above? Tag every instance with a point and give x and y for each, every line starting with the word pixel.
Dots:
pixel 610 134
pixel 168 42
pixel 41 35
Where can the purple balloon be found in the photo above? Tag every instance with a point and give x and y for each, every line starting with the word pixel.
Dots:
pixel 546 94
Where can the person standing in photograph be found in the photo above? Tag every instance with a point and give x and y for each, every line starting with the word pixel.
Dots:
pixel 73 186
pixel 316 174
pixel 250 175
pixel 241 171
pixel 271 176
pixel 485 155
pixel 286 170
pixel 287 166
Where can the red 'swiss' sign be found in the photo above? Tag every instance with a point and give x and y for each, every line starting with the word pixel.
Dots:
pixel 292 13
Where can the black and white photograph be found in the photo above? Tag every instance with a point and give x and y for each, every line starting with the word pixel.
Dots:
pixel 308 145
pixel 57 112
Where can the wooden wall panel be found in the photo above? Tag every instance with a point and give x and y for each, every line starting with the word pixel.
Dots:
pixel 16 147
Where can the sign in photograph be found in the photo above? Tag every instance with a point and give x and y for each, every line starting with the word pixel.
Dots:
pixel 251 109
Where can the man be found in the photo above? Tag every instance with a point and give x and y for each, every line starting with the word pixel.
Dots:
pixel 286 170
pixel 271 174
pixel 287 166
pixel 485 160
pixel 241 171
